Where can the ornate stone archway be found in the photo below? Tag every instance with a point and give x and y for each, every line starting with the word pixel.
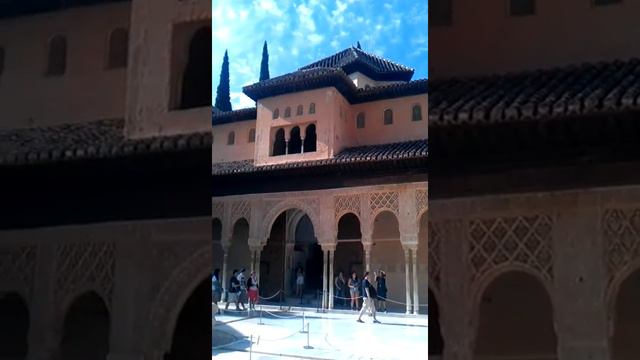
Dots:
pixel 165 309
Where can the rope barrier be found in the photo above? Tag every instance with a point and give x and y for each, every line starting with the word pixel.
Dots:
pixel 281 317
pixel 229 344
pixel 279 339
pixel 377 298
pixel 270 297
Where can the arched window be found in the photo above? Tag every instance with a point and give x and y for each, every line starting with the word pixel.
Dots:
pixel 388 117
pixel 57 60
pixel 118 48
pixel 312 108
pixel 196 81
pixel 310 139
pixel 279 144
pixel 300 110
pixel 416 113
pixel 360 121
pixel 276 113
pixel 295 141
pixel 252 135
pixel 1 60
pixel 287 112
pixel 231 139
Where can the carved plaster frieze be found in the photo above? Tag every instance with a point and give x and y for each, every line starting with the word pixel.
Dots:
pixel 621 232
pixel 380 201
pixel 521 240
pixel 344 204
pixel 17 266
pixel 436 233
pixel 85 266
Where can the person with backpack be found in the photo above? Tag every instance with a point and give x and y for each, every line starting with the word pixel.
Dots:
pixel 368 296
pixel 233 291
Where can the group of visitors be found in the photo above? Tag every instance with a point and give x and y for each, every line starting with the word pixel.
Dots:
pixel 354 288
pixel 239 289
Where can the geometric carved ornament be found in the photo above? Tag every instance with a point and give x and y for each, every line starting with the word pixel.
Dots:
pixel 384 201
pixel 622 238
pixel 521 240
pixel 435 239
pixel 346 204
pixel 85 265
pixel 17 266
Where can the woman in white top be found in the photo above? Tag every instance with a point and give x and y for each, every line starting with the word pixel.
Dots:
pixel 299 283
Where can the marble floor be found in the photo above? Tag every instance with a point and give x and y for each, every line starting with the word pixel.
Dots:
pixel 336 335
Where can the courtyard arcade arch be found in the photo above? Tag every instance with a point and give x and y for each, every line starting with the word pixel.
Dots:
pixel 86 329
pixel 14 326
pixel 499 334
pixel 626 316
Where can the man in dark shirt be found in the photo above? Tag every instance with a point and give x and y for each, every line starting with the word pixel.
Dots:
pixel 232 293
pixel 368 298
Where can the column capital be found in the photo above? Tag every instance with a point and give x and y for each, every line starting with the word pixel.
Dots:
pixel 255 247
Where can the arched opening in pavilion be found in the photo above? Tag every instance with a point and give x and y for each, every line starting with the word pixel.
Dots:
pixel 291 245
pixel 86 329
pixel 516 319
pixel 196 80
pixel 349 255
pixel 625 344
pixel 239 256
pixel 192 332
pixel 436 342
pixel 387 254
pixel 218 253
pixel 423 263
pixel 14 326
pixel 295 141
pixel 279 143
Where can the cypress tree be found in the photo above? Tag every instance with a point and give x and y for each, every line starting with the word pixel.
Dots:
pixel 359 45
pixel 264 65
pixel 223 94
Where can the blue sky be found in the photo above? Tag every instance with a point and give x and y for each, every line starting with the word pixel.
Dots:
pixel 299 32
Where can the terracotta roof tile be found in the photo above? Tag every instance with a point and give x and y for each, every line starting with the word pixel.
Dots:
pixel 226 117
pixel 97 139
pixel 317 78
pixel 361 154
pixel 542 94
pixel 353 59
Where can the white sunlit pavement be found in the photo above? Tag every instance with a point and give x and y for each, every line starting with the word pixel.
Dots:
pixel 335 335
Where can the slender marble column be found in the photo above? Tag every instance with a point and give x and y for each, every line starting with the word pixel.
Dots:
pixel 223 281
pixel 257 269
pixel 253 259
pixel 325 256
pixel 331 275
pixel 407 272
pixel 416 307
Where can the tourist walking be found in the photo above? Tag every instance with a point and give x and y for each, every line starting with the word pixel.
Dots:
pixel 353 291
pixel 233 290
pixel 216 287
pixel 381 285
pixel 341 286
pixel 368 296
pixel 242 293
pixel 300 283
pixel 252 290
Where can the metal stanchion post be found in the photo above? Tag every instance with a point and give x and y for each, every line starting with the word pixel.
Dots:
pixel 251 348
pixel 303 318
pixel 260 323
pixel 308 346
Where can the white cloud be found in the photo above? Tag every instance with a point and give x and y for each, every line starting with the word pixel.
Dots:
pixel 334 44
pixel 387 6
pixel 239 100
pixel 294 51
pixel 270 6
pixel 315 39
pixel 305 15
pixel 222 34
